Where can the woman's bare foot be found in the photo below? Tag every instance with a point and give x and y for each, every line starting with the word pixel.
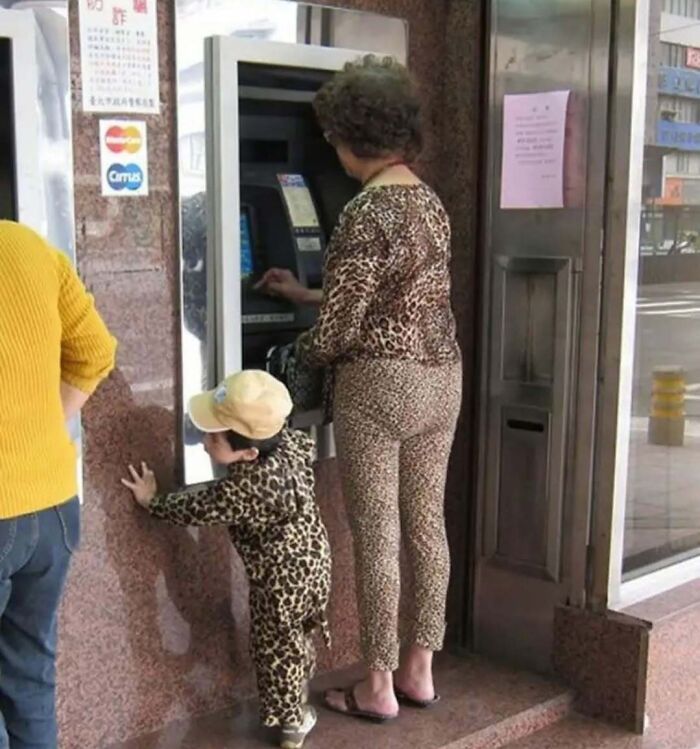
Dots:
pixel 373 695
pixel 415 675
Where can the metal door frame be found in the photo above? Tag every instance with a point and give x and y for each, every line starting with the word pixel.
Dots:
pixel 583 382
pixel 618 315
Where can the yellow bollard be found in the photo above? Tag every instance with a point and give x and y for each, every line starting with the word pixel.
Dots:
pixel 667 420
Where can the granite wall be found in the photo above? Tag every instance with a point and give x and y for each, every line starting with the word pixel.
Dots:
pixel 154 625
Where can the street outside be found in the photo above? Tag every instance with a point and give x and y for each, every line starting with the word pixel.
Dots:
pixel 668 333
pixel 663 496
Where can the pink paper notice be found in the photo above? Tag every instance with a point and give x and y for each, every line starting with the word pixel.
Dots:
pixel 534 136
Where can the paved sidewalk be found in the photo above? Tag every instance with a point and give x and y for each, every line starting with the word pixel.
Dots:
pixel 663 496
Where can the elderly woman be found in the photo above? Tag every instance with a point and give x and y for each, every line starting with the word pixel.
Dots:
pixel 387 330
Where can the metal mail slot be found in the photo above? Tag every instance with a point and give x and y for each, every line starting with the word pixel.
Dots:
pixel 529 374
pixel 523 496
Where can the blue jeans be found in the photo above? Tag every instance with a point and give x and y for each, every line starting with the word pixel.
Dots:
pixel 35 551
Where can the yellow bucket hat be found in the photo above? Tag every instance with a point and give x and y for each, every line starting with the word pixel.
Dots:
pixel 251 403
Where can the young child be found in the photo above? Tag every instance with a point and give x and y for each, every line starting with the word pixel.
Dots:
pixel 267 501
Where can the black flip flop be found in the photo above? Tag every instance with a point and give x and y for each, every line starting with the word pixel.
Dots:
pixel 407 701
pixel 353 711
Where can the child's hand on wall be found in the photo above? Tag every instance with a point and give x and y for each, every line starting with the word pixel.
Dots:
pixel 144 486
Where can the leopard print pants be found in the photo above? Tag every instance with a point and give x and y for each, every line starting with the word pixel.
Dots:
pixel 285 662
pixel 394 426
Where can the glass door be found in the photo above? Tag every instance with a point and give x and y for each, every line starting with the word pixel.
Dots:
pixel 653 272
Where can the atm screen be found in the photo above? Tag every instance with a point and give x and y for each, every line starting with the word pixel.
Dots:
pixel 247 265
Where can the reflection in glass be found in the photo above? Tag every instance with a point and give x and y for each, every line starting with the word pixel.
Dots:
pixel 663 492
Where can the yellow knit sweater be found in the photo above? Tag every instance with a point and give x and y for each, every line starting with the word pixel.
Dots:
pixel 49 331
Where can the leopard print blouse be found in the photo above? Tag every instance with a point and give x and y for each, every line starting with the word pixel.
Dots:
pixel 274 522
pixel 387 281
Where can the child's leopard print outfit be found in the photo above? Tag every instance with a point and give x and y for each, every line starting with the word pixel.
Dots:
pixel 274 522
pixel 387 330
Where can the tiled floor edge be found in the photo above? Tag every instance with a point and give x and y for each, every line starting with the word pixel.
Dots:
pixel 518 726
pixel 668 605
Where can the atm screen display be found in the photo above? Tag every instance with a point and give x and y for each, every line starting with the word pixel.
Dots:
pixel 247 265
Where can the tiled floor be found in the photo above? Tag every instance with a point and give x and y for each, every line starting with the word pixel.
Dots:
pixel 581 733
pixel 483 706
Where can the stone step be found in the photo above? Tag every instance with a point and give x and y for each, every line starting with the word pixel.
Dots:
pixel 483 706
pixel 578 732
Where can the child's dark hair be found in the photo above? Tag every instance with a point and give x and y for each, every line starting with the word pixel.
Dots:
pixel 264 447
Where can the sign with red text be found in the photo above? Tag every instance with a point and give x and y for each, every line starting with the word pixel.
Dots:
pixel 119 56
pixel 673 192
pixel 123 158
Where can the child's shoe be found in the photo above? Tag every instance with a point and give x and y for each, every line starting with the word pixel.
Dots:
pixel 293 737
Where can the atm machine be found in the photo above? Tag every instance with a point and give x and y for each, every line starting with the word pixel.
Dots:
pixel 21 192
pixel 292 190
pixel 275 190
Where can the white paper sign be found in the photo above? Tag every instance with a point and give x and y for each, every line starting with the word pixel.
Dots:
pixel 300 204
pixel 119 56
pixel 124 158
pixel 534 138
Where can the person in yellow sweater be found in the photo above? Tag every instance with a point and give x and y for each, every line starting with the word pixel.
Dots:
pixel 54 351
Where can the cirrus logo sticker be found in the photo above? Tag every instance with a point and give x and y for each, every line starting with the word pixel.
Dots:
pixel 123 139
pixel 125 177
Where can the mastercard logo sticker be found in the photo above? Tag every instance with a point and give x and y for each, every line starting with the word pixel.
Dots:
pixel 123 139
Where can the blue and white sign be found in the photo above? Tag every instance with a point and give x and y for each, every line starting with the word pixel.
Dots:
pixel 125 177
pixel 123 158
pixel 679 82
pixel 683 136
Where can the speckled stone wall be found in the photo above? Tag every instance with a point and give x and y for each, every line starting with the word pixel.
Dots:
pixel 603 657
pixel 154 626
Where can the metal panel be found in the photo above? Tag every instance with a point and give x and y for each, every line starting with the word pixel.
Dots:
pixel 528 336
pixel 530 350
pixel 542 282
